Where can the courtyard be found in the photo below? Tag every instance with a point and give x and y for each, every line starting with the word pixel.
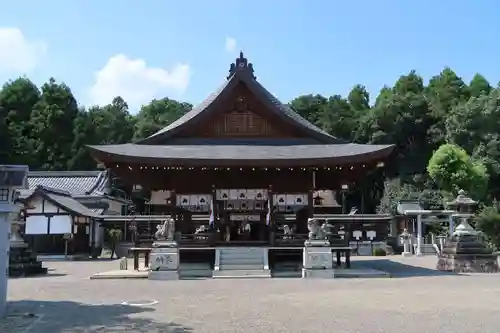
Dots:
pixel 416 299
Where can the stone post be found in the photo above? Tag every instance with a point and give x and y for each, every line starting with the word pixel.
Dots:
pixel 12 178
pixel 418 251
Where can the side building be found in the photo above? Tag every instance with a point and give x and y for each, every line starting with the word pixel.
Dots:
pixel 64 211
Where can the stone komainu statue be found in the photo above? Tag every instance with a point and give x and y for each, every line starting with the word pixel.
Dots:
pixel 317 231
pixel 166 230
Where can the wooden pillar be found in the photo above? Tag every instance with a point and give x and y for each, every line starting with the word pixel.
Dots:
pixel 310 195
pixel 215 210
pixel 173 205
pixel 310 203
pixel 92 231
pixel 271 228
pixel 363 198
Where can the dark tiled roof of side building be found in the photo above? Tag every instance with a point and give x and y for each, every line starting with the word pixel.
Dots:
pixel 64 200
pixel 76 183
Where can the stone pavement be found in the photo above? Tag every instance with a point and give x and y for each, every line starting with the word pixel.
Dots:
pixel 418 299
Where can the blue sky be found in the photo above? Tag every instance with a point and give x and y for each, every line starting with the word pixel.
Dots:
pixel 297 47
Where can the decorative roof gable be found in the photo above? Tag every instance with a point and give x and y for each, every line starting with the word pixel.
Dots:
pixel 241 71
pixel 63 200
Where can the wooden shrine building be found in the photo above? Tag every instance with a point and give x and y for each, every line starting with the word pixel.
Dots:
pixel 241 167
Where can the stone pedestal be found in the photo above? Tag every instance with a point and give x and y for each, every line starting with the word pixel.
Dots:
pixel 317 260
pixel 164 261
pixel 463 263
pixel 466 252
pixel 22 261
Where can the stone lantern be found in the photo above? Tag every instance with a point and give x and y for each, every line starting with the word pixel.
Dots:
pixel 12 178
pixel 465 250
pixel 405 239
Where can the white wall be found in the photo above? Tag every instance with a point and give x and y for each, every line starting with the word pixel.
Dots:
pixel 60 224
pixel 39 206
pixel 36 225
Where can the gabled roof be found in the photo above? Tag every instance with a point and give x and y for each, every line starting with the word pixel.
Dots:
pixel 77 183
pixel 317 147
pixel 63 200
pixel 241 72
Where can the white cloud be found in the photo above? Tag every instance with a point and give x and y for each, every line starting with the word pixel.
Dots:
pixel 18 54
pixel 230 44
pixel 136 82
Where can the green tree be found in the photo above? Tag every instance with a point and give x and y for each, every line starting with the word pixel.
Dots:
pixel 110 124
pixel 52 126
pixel 474 126
pixel 158 114
pixel 394 191
pixel 84 131
pixel 309 106
pixel 359 99
pixel 338 119
pixel 488 221
pixel 479 86
pixel 401 117
pixel 5 140
pixel 17 100
pixel 443 92
pixel 452 170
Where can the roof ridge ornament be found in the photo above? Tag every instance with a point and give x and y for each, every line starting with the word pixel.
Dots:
pixel 241 65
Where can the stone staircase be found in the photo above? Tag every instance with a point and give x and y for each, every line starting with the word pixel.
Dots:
pixel 287 269
pixel 195 270
pixel 241 262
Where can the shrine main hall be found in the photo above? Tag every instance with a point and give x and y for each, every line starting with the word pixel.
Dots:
pixel 241 167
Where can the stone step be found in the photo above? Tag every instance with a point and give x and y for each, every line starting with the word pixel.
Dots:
pixel 288 265
pixel 242 274
pixel 195 273
pixel 240 255
pixel 242 261
pixel 194 266
pixel 239 249
pixel 249 252
pixel 286 273
pixel 241 267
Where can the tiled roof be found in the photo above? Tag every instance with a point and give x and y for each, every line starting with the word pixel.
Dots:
pixel 252 154
pixel 77 183
pixel 193 113
pixel 284 111
pixel 64 200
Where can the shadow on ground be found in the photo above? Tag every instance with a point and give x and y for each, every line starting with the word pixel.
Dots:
pixel 36 276
pixel 400 270
pixel 65 316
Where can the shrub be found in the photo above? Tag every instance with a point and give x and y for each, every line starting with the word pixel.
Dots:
pixel 379 252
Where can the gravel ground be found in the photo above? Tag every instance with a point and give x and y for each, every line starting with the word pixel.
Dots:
pixel 418 299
